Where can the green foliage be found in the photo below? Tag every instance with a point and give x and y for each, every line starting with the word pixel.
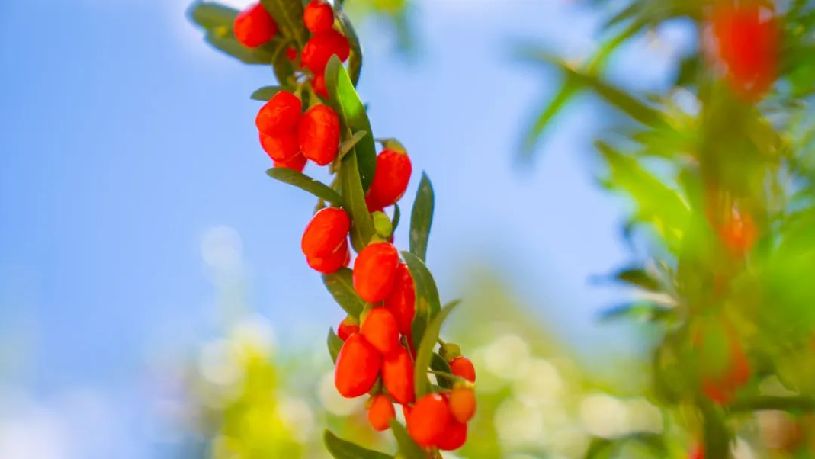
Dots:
pixel 306 183
pixel 341 286
pixel 408 449
pixel 424 353
pixel 421 218
pixel 343 449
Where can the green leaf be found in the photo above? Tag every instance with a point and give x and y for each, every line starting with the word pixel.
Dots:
pixel 792 404
pixel 425 351
pixel 225 42
pixel 355 56
pixel 641 310
pixel 350 143
pixel 638 277
pixel 348 105
pixel 362 225
pixel 421 218
pixel 305 183
pixel 341 286
pixel 211 15
pixel 437 363
pixel 288 14
pixel 343 449
pixel 397 216
pixel 427 294
pixel 408 449
pixel 265 93
pixel 334 344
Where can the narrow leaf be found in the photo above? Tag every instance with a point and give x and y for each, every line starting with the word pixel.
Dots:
pixel 305 183
pixel 344 449
pixel 341 286
pixel 211 15
pixel 427 294
pixel 425 351
pixel 408 449
pixel 638 310
pixel 437 363
pixel 355 55
pixel 265 93
pixel 421 218
pixel 350 143
pixel 288 14
pixel 638 277
pixel 397 216
pixel 334 344
pixel 362 225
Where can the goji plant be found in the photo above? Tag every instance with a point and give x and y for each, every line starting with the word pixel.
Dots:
pixel 388 347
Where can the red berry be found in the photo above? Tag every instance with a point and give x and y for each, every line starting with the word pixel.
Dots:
pixel 318 84
pixel 463 367
pixel 402 300
pixel 357 367
pixel 296 163
pixel 254 26
pixel 280 147
pixel 319 134
pixel 375 271
pixel 347 327
pixel 454 436
pixel 696 453
pixel 319 49
pixel 462 404
pixel 318 16
pixel 397 376
pixel 280 114
pixel 291 53
pixel 381 413
pixel 738 232
pixel 720 385
pixel 332 262
pixel 326 231
pixel 391 177
pixel 380 329
pixel 428 420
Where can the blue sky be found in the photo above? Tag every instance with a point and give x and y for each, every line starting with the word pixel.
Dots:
pixel 125 140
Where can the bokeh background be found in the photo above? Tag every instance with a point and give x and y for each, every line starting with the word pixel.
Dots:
pixel 146 260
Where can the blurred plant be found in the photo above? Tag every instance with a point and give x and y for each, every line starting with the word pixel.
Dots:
pixel 719 170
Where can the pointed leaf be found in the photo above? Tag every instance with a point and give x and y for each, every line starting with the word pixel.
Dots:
pixel 334 344
pixel 421 218
pixel 408 449
pixel 305 183
pixel 355 56
pixel 288 14
pixel 425 351
pixel 362 225
pixel 211 15
pixel 397 216
pixel 638 277
pixel 344 449
pixel 341 286
pixel 641 310
pixel 350 143
pixel 427 294
pixel 265 93
pixel 437 363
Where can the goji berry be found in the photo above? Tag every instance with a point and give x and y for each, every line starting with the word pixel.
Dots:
pixel 391 178
pixel 325 232
pixel 319 134
pixel 462 404
pixel 402 300
pixel 332 262
pixel 380 413
pixel 318 84
pixel 319 49
pixel 280 114
pixel 318 16
pixel 357 367
pixel 254 26
pixel 375 271
pixel 397 376
pixel 280 147
pixel 463 367
pixel 428 420
pixel 347 327
pixel 295 163
pixel 454 436
pixel 380 329
pixel 291 53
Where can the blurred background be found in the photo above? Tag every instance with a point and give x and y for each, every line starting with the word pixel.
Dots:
pixel 153 297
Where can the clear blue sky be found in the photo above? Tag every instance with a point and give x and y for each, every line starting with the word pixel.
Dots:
pixel 124 138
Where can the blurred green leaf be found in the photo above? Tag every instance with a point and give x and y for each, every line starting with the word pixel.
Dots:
pixel 408 449
pixel 425 351
pixel 421 218
pixel 343 449
pixel 305 183
pixel 437 363
pixel 334 344
pixel 362 225
pixel 641 310
pixel 355 56
pixel 212 15
pixel 265 93
pixel 791 404
pixel 397 216
pixel 288 14
pixel 227 44
pixel 341 286
pixel 638 277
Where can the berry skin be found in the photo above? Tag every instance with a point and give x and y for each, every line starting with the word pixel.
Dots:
pixel 391 178
pixel 280 147
pixel 381 413
pixel 326 231
pixel 332 262
pixel 462 404
pixel 402 300
pixel 296 163
pixel 428 420
pixel 319 49
pixel 357 367
pixel 347 327
pixel 463 367
pixel 291 53
pixel 254 26
pixel 318 16
pixel 454 436
pixel 397 376
pixel 380 329
pixel 280 114
pixel 319 134
pixel 318 84
pixel 375 271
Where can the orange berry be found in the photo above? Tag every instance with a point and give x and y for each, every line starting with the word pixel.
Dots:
pixel 391 178
pixel 254 26
pixel 454 436
pixel 332 262
pixel 463 367
pixel 280 147
pixel 428 420
pixel 280 114
pixel 319 49
pixel 318 84
pixel 375 271
pixel 325 232
pixel 319 134
pixel 318 16
pixel 462 404
pixel 381 413
pixel 402 300
pixel 347 327
pixel 296 163
pixel 738 232
pixel 397 376
pixel 357 367
pixel 381 330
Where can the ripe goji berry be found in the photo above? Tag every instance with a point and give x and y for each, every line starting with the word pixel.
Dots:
pixel 380 413
pixel 325 232
pixel 280 147
pixel 397 376
pixel 254 26
pixel 319 49
pixel 462 404
pixel 428 420
pixel 332 262
pixel 375 271
pixel 318 16
pixel 319 134
pixel 463 367
pixel 380 329
pixel 454 437
pixel 357 367
pixel 295 163
pixel 347 327
pixel 280 114
pixel 402 300
pixel 391 178
pixel 318 84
